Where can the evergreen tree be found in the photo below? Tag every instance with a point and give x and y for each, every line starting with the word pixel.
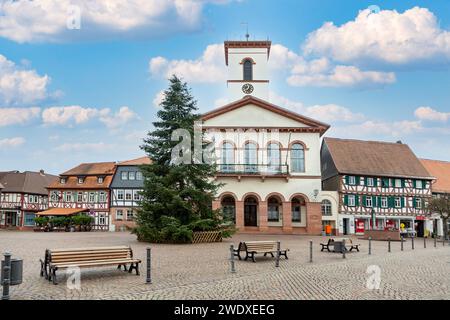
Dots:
pixel 177 197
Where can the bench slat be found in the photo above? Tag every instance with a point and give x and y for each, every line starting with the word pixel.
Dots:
pixel 94 263
pixel 88 249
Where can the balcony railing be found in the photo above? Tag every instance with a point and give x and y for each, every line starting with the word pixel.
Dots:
pixel 254 169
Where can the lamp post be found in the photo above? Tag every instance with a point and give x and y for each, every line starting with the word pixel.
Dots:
pixel 372 213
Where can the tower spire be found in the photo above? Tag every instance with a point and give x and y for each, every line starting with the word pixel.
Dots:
pixel 247 35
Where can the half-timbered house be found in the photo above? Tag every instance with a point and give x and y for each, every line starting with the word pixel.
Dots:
pixel 380 185
pixel 440 170
pixel 23 195
pixel 126 187
pixel 85 187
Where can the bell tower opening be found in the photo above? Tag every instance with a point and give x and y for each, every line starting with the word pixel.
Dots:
pixel 247 63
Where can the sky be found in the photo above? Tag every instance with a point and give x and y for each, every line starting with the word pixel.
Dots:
pixel 80 81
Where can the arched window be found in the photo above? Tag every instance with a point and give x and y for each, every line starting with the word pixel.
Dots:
pixel 227 157
pixel 274 157
pixel 248 70
pixel 297 158
pixel 298 206
pixel 229 208
pixel 273 209
pixel 326 208
pixel 251 157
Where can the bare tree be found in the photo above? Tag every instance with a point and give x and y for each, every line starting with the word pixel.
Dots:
pixel 441 205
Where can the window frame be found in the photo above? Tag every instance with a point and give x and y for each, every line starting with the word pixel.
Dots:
pixel 301 158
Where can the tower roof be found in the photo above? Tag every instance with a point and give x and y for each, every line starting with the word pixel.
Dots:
pixel 246 44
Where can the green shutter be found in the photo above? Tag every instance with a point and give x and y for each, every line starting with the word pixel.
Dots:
pixel 364 179
pixel 356 200
pixel 402 202
pixel 385 181
pixel 375 182
pixel 390 202
pixel 403 183
pixel 347 179
pixel 346 200
pixel 414 202
pixel 357 180
pixel 414 184
pixel 364 200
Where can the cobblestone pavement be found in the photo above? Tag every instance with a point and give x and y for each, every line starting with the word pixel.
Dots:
pixel 202 271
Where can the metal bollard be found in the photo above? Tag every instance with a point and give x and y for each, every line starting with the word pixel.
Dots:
pixel 277 263
pixel 424 242
pixel 149 266
pixel 7 276
pixel 389 244
pixel 370 245
pixel 310 251
pixel 233 268
pixel 435 240
pixel 343 249
pixel 403 239
pixel 443 241
pixel 412 242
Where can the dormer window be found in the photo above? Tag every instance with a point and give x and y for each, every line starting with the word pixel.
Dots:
pixel 62 180
pixel 248 70
pixel 100 180
pixel 80 180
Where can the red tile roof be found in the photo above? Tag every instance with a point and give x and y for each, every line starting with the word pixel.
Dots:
pixel 136 162
pixel 375 158
pixel 97 168
pixel 441 171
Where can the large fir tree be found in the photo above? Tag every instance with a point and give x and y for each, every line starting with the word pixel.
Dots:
pixel 177 197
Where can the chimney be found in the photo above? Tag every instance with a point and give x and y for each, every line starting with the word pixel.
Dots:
pixel 399 142
pixel 42 172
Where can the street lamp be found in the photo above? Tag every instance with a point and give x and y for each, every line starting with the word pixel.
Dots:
pixel 373 218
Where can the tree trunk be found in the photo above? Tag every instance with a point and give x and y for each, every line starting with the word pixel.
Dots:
pixel 445 227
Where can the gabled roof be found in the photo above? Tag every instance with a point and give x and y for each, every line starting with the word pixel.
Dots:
pixel 97 168
pixel 26 182
pixel 135 162
pixel 322 127
pixel 375 158
pixel 441 171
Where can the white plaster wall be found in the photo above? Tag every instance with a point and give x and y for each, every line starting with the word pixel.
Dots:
pixel 260 90
pixel 259 56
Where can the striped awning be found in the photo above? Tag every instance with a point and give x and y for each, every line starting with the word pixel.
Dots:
pixel 61 212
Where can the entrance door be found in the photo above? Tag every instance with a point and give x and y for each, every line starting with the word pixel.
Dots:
pixel 250 212
pixel 345 223
pixel 420 228
pixel 10 219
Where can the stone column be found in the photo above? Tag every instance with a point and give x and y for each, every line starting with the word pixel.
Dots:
pixel 263 215
pixel 287 217
pixel 313 218
pixel 240 215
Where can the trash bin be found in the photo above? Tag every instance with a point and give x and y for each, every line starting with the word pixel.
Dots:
pixel 338 246
pixel 16 271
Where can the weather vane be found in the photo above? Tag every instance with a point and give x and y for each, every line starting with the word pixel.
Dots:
pixel 247 34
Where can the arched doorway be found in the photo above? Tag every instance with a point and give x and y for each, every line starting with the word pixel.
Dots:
pixel 251 212
pixel 228 208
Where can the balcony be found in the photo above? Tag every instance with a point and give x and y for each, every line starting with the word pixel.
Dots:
pixel 252 170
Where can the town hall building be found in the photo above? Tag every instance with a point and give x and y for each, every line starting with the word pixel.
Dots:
pixel 268 157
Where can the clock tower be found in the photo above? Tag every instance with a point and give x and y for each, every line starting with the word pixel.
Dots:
pixel 247 68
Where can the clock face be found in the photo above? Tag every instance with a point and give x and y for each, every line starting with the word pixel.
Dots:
pixel 247 88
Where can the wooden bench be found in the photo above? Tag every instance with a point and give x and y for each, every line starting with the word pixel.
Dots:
pixel 56 259
pixel 348 244
pixel 259 247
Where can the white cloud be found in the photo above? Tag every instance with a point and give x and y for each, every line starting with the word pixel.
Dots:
pixel 47 20
pixel 158 99
pixel 8 143
pixel 97 147
pixel 326 113
pixel 388 36
pixel 19 86
pixel 13 116
pixel 209 68
pixel 375 129
pixel 428 113
pixel 322 75
pixel 69 115
pixel 76 115
pixel 118 119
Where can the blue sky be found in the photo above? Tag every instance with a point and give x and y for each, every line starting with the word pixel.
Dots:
pixel 71 95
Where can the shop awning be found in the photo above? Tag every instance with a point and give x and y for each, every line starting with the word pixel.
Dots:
pixel 61 212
